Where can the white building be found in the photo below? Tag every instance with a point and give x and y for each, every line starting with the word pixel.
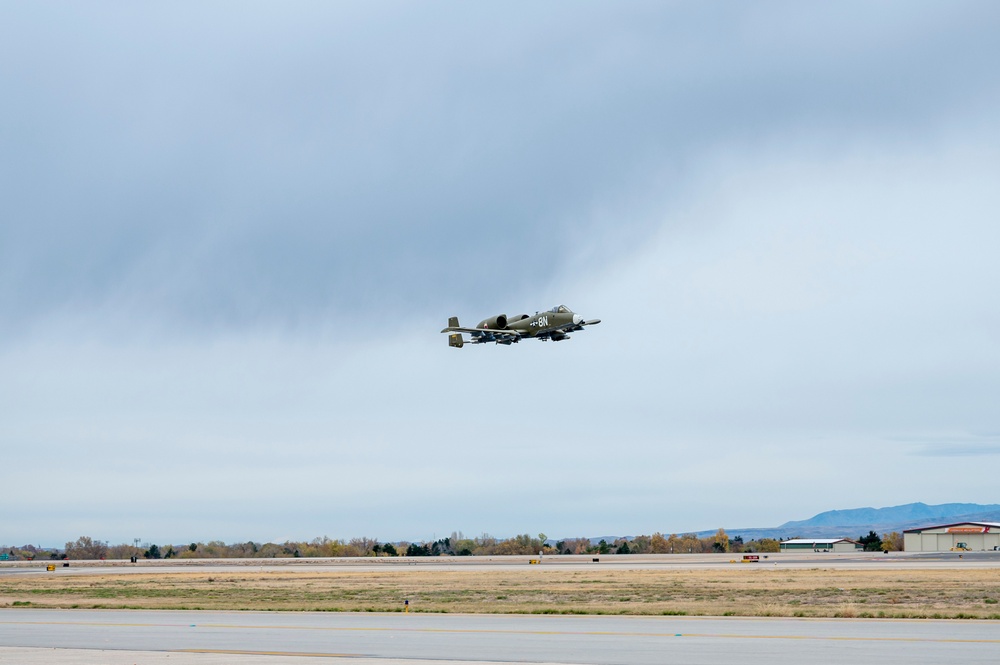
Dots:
pixel 821 545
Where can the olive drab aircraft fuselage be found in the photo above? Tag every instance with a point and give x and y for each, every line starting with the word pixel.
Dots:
pixel 554 325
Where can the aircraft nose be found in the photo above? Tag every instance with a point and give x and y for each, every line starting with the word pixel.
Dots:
pixel 577 319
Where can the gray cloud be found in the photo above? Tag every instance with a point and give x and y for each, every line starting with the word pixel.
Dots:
pixel 285 167
pixel 231 234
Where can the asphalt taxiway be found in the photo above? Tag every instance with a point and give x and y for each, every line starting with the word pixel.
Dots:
pixel 65 637
pixel 30 636
pixel 808 560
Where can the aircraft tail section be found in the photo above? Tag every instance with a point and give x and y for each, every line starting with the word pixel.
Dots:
pixel 455 339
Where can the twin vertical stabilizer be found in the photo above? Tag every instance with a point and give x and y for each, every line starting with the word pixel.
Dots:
pixel 455 339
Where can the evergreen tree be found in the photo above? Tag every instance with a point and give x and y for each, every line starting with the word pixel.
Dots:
pixel 872 542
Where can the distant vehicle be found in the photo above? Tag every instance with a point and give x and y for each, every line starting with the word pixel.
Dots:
pixel 961 547
pixel 554 324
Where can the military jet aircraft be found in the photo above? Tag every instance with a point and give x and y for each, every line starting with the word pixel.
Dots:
pixel 553 324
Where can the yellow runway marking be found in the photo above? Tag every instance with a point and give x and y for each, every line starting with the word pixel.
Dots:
pixel 475 631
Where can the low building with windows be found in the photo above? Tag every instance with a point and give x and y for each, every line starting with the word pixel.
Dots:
pixel 961 536
pixel 821 545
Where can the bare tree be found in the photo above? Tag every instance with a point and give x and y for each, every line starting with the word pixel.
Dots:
pixel 363 545
pixel 86 547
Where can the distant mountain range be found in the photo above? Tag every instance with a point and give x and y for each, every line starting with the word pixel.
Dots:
pixel 859 521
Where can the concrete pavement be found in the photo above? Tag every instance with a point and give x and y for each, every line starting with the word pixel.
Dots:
pixel 193 638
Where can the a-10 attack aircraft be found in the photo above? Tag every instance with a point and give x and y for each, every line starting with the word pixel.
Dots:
pixel 502 329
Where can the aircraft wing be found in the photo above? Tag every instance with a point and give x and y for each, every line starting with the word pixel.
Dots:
pixel 484 335
pixel 474 331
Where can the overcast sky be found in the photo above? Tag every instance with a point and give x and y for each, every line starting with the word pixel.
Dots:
pixel 230 233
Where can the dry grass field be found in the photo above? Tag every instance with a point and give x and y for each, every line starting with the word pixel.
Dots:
pixel 741 591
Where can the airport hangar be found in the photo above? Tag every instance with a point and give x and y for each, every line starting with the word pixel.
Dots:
pixel 976 536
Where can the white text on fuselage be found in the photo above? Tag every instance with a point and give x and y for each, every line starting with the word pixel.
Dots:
pixel 540 322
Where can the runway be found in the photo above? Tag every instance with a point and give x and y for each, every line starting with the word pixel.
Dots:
pixel 64 637
pixel 798 560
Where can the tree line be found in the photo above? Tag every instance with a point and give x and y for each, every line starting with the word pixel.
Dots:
pixel 457 544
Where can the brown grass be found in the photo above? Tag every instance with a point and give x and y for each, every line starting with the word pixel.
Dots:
pixel 741 591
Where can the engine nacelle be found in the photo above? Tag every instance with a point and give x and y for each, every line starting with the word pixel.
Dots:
pixel 498 322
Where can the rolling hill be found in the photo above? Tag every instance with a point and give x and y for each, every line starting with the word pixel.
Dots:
pixel 856 522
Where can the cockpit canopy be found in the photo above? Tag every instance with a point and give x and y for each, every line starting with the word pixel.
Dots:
pixel 561 309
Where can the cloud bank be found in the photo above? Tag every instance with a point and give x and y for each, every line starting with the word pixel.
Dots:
pixel 230 238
